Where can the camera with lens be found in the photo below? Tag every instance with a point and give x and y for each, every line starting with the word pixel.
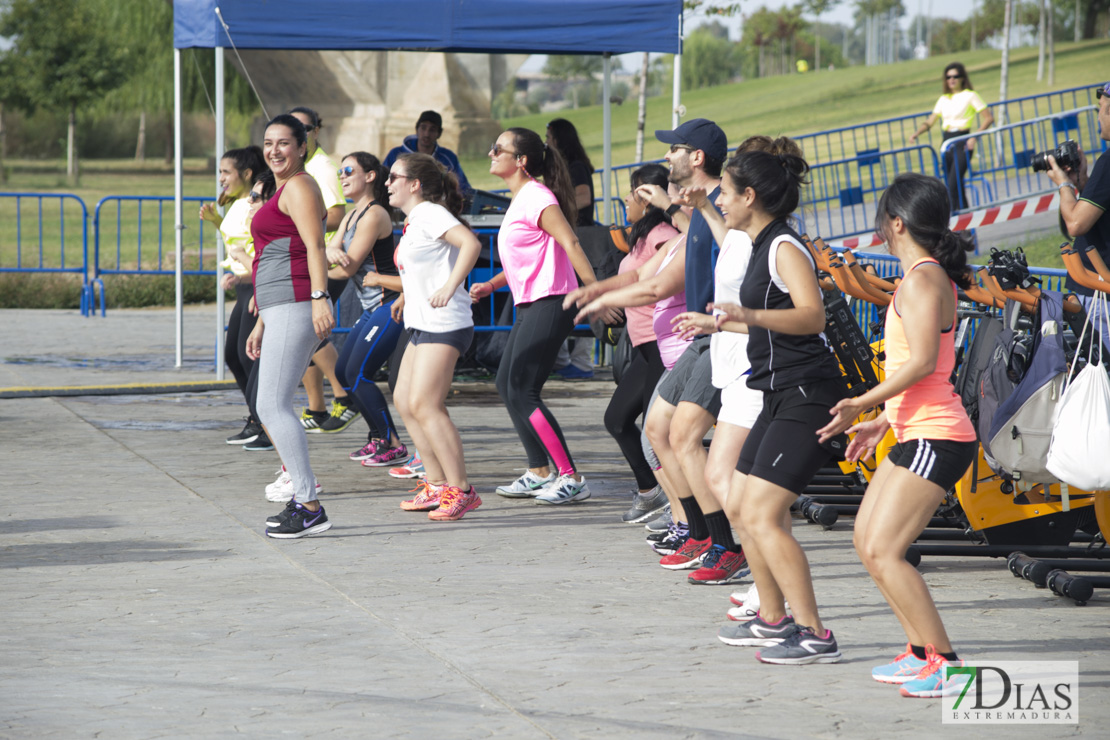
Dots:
pixel 1066 155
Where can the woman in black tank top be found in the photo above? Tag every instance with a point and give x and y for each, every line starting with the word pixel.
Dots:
pixel 783 313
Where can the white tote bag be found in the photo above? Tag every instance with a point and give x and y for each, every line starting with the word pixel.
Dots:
pixel 1079 453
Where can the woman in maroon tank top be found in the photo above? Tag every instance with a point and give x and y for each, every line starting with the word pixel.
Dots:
pixel 290 291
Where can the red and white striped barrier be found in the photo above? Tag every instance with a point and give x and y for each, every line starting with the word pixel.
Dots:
pixel 975 219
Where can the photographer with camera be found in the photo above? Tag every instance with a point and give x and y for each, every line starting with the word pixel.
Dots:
pixel 1084 201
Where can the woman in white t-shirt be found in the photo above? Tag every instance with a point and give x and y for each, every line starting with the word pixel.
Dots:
pixel 957 109
pixel 540 258
pixel 436 253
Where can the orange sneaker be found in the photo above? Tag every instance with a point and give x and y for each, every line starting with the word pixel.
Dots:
pixel 454 503
pixel 427 497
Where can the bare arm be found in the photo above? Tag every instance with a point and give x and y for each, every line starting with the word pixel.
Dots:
pixel 582 197
pixel 555 223
pixel 671 281
pixel 698 199
pixel 658 197
pixel 925 126
pixel 335 216
pixel 302 202
pixel 469 249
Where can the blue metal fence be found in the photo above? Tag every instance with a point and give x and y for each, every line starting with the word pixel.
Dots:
pixel 31 224
pixel 134 236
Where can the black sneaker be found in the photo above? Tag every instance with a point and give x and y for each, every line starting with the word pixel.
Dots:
pixel 756 632
pixel 671 541
pixel 342 414
pixel 646 506
pixel 249 434
pixel 804 646
pixel 312 420
pixel 261 443
pixel 299 522
pixel 277 519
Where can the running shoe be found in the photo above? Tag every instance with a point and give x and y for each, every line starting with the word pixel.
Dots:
pixel 300 522
pixel 747 605
pixel 744 598
pixel 311 420
pixel 454 503
pixel 261 444
pixel 688 556
pixel 526 486
pixel 662 522
pixel 365 451
pixel 413 468
pixel 341 417
pixel 385 455
pixel 563 490
pixel 674 539
pixel 801 648
pixel 277 519
pixel 720 567
pixel 757 633
pixel 645 506
pixel 281 490
pixel 901 669
pixel 426 498
pixel 930 681
pixel 249 434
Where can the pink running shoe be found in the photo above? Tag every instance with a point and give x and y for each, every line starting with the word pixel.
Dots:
pixel 454 503
pixel 427 497
pixel 413 468
pixel 385 455
pixel 366 451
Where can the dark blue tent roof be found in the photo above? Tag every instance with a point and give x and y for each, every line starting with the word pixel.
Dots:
pixel 481 26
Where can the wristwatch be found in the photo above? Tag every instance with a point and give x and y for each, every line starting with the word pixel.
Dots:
pixel 673 208
pixel 319 295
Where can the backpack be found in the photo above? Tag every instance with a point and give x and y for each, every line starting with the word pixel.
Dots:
pixel 1019 390
pixel 979 354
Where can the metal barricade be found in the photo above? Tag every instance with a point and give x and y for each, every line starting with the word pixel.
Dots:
pixel 37 234
pixel 135 236
pixel 1001 166
pixel 841 196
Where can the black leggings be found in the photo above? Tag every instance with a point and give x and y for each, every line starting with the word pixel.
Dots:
pixel 956 160
pixel 629 401
pixel 529 357
pixel 239 327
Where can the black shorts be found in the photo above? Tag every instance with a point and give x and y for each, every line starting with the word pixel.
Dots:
pixel 460 339
pixel 939 461
pixel 691 379
pixel 782 447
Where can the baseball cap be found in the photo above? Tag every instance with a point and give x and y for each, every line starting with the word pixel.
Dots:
pixel 1102 91
pixel 699 133
pixel 432 117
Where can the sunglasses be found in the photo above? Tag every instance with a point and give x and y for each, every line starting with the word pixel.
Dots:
pixel 675 148
pixel 394 177
pixel 498 150
pixel 1102 92
pixel 348 170
pixel 254 196
pixel 953 77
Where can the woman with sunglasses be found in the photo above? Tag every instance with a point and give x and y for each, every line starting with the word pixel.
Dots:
pixel 436 252
pixel 540 256
pixel 290 281
pixel 957 108
pixel 316 418
pixel 363 254
pixel 240 169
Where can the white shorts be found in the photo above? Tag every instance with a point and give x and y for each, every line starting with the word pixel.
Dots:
pixel 740 405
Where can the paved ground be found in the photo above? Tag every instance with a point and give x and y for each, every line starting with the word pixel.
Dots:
pixel 141 599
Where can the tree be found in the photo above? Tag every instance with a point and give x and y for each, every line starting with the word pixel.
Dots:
pixel 573 69
pixel 63 57
pixel 818 8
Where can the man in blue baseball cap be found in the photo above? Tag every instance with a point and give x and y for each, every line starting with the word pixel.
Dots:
pixel 1085 203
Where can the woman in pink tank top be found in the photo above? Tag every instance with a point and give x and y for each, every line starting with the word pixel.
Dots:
pixel 936 442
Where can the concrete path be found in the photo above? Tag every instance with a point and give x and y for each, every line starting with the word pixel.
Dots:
pixel 141 599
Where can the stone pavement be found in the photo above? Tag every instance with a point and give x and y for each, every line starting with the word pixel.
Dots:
pixel 142 600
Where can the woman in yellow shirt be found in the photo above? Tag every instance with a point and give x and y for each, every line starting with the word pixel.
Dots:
pixel 957 109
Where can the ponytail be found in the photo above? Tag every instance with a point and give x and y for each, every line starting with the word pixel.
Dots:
pixel 542 161
pixel 951 252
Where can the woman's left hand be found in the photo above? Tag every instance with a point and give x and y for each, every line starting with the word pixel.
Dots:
pixel 323 320
pixel 337 257
pixel 844 415
pixel 689 324
pixel 397 310
pixel 441 297
pixel 732 312
pixel 970 145
pixel 254 341
pixel 229 280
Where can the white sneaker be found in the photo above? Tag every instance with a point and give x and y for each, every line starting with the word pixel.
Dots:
pixel 281 490
pixel 747 605
pixel 564 490
pixel 526 486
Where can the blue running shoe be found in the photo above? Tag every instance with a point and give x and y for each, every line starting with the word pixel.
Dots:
pixel 930 682
pixel 901 669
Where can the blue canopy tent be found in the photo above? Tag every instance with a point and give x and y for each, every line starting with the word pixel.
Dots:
pixel 602 27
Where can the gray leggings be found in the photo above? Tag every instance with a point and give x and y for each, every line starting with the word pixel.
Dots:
pixel 288 342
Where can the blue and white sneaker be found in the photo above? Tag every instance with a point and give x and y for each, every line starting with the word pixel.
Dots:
pixel 802 647
pixel 930 683
pixel 757 633
pixel 526 486
pixel 564 490
pixel 299 522
pixel 901 669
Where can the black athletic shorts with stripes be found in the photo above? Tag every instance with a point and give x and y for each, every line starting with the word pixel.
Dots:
pixel 782 446
pixel 939 461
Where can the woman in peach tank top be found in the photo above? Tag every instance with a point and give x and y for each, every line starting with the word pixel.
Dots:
pixel 936 442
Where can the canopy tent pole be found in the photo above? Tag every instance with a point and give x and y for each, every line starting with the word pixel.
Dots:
pixel 179 225
pixel 221 308
pixel 676 95
pixel 607 145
